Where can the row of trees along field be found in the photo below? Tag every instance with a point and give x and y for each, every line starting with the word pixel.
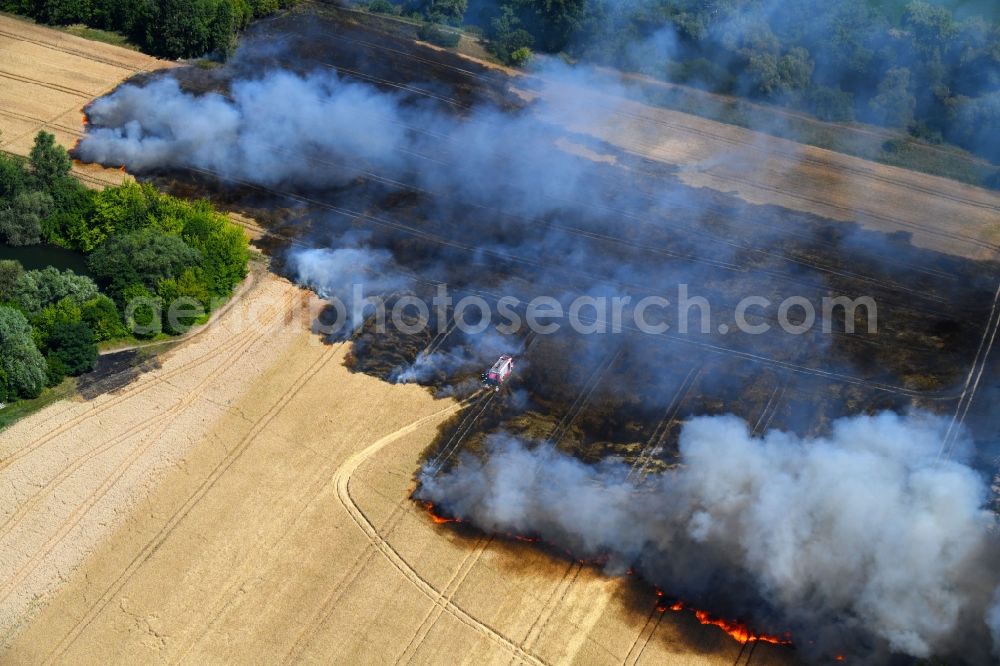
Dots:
pixel 146 250
pixel 166 28
pixel 897 63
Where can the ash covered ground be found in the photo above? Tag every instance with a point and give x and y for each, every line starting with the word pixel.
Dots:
pixel 372 160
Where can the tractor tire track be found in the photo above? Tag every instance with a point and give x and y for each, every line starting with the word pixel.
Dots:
pixel 645 636
pixel 82 509
pixel 554 601
pixel 72 52
pixel 645 458
pixel 975 375
pixel 160 420
pixel 583 398
pixel 447 593
pixel 868 174
pixel 45 84
pixel 151 548
pixel 240 574
pixel 342 479
pixel 138 388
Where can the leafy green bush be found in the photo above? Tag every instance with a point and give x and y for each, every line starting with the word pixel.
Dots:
pixel 143 311
pixel 55 370
pixel 520 57
pixel 13 177
pixel 52 317
pixel 20 359
pixel 164 260
pixel 435 35
pixel 73 344
pixel 35 290
pixel 506 36
pixel 382 7
pixel 830 103
pixel 169 28
pixel 10 273
pixel 21 217
pixel 144 257
pixel 49 161
pixel 444 11
pixel 102 316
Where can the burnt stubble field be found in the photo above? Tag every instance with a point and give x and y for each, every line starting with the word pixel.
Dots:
pixel 621 393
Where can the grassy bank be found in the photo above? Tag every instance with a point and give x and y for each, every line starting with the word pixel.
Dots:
pixel 22 408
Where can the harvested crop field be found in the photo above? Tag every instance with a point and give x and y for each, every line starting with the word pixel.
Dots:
pixel 228 500
pixel 247 499
pixel 246 496
pixel 48 77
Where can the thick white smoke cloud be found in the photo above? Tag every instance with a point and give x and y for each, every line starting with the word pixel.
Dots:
pixel 319 130
pixel 270 131
pixel 865 530
pixel 347 276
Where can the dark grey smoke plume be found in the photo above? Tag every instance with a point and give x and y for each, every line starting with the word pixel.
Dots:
pixel 863 534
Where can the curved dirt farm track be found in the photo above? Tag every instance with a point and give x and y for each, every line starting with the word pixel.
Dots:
pixel 247 502
pixel 282 533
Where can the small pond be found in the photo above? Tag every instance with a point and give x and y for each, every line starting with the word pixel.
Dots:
pixel 33 257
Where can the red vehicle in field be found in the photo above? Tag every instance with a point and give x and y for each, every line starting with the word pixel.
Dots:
pixel 496 376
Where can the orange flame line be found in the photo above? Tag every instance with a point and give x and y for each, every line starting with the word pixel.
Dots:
pixel 739 632
pixel 440 520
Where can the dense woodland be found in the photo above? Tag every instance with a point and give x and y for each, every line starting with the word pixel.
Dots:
pixel 912 65
pixel 146 251
pixel 166 28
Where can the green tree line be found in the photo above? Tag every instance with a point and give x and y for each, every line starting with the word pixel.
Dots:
pixel 905 64
pixel 166 28
pixel 158 265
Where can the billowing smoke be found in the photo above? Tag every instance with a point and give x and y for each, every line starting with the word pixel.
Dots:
pixel 269 130
pixel 353 277
pixel 859 538
pixel 319 129
pixel 471 355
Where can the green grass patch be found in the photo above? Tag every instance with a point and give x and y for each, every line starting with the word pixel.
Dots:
pixel 207 63
pixel 22 408
pixel 94 34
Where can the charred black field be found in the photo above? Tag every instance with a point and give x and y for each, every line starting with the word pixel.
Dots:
pixel 547 212
pixel 605 394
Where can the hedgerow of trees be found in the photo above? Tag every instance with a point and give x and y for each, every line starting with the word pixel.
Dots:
pixel 908 64
pixel 146 251
pixel 166 28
